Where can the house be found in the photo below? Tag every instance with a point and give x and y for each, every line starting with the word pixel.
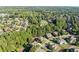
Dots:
pixel 51 46
pixel 61 41
pixel 72 40
pixel 24 23
pixel 7 29
pixel 34 43
pixel 55 33
pixel 9 21
pixel 39 39
pixel 55 47
pixel 35 46
pixel 49 35
pixel 17 21
pixel 42 38
pixel 52 20
pixel 3 14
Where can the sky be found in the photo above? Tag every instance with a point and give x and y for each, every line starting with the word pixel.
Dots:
pixel 39 2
